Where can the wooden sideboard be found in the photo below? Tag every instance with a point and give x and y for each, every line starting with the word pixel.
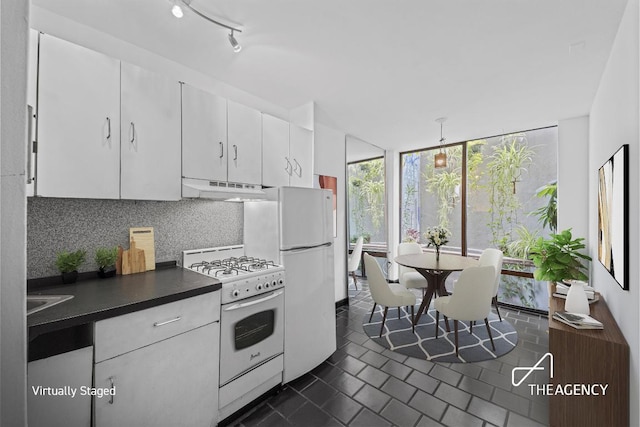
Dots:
pixel 589 357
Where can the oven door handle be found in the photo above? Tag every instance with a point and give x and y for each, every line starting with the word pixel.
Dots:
pixel 249 304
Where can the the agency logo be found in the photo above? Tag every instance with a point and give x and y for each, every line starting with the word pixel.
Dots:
pixel 572 389
pixel 530 369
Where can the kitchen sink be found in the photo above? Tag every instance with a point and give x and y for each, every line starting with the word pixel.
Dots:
pixel 40 302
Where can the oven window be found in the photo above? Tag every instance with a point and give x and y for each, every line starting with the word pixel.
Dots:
pixel 253 329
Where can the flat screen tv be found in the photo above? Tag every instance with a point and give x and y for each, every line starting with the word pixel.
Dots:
pixel 613 216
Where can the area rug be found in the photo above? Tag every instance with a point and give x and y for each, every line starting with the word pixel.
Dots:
pixel 398 337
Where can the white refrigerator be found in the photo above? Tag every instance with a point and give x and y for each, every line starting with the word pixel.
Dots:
pixel 295 228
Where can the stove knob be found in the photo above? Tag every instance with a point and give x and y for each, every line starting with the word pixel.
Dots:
pixel 235 293
pixel 266 285
pixel 274 283
pixel 281 281
pixel 259 287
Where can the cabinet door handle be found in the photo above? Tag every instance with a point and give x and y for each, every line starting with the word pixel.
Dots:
pixel 166 322
pixel 113 385
pixel 289 165
pixel 221 149
pixel 132 131
pixel 29 141
pixel 235 152
pixel 298 167
pixel 108 128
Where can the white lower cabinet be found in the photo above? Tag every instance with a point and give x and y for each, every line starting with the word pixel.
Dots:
pixel 173 382
pixel 160 364
pixel 68 375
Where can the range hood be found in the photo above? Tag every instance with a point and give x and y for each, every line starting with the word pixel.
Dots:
pixel 218 190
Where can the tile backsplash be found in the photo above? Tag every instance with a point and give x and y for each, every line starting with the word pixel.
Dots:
pixel 55 225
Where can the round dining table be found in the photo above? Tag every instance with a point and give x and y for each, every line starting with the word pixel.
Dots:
pixel 435 271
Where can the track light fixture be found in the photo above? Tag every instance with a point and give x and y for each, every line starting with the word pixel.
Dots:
pixel 234 43
pixel 440 159
pixel 177 12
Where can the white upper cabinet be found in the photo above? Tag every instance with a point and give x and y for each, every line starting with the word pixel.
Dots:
pixel 204 135
pixel 244 144
pixel 32 101
pixel 150 135
pixel 78 122
pixel 301 156
pixel 276 165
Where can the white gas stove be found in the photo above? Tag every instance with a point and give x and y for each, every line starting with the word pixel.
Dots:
pixel 251 322
pixel 242 276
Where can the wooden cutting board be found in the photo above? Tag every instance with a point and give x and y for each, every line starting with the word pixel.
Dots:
pixel 145 240
pixel 133 260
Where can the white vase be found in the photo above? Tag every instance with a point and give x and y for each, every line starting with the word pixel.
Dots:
pixel 577 299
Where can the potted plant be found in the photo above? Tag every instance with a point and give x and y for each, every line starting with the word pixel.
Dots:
pixel 106 260
pixel 68 263
pixel 557 259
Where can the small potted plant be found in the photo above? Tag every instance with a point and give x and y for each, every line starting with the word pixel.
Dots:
pixel 68 263
pixel 558 259
pixel 106 260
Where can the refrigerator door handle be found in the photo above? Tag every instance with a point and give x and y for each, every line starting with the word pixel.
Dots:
pixel 306 248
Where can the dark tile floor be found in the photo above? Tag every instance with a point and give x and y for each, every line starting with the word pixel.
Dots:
pixel 364 384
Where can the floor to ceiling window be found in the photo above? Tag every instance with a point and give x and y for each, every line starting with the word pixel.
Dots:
pixel 366 201
pixel 494 192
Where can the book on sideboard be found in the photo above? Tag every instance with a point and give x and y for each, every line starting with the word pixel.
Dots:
pixel 577 320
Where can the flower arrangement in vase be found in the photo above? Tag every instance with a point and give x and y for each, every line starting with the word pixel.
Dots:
pixel 436 237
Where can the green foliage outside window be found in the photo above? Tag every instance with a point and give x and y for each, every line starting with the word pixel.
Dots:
pixel 366 195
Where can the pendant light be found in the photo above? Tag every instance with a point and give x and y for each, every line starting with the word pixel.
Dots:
pixel 440 159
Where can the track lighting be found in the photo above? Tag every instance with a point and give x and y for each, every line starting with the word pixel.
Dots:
pixel 440 159
pixel 178 13
pixel 234 43
pixel 176 10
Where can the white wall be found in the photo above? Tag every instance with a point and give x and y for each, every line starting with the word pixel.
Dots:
pixel 13 203
pixel 330 160
pixel 573 176
pixel 64 28
pixel 614 121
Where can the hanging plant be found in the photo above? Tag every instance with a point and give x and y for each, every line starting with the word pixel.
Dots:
pixel 508 162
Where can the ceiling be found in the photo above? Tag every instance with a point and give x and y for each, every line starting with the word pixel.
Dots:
pixel 382 70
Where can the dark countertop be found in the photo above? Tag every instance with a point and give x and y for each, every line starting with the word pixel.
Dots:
pixel 98 299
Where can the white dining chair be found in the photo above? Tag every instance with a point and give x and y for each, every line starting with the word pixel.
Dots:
pixel 386 294
pixel 493 257
pixel 354 260
pixel 470 301
pixel 409 277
